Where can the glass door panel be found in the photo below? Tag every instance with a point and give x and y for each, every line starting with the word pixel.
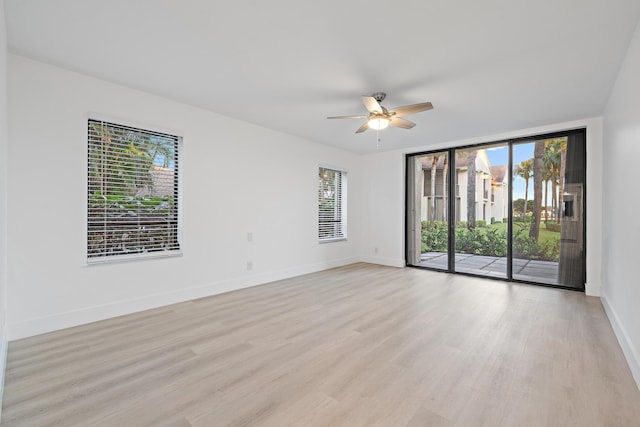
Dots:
pixel 427 219
pixel 535 248
pixel 548 224
pixel 482 201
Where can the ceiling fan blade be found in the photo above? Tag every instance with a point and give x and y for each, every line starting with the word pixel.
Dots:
pixel 411 109
pixel 348 117
pixel 362 128
pixel 401 123
pixel 372 105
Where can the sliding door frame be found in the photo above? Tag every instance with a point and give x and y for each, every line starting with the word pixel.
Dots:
pixel 451 204
pixel 451 210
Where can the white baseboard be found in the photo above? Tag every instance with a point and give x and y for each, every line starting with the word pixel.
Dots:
pixel 628 348
pixel 592 289
pixel 3 363
pixel 390 262
pixel 81 316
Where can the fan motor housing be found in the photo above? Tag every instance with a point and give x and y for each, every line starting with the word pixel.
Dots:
pixel 379 96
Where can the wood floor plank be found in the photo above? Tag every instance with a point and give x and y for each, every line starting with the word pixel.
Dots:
pixel 360 345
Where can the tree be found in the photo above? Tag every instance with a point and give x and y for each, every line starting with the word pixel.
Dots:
pixel 562 147
pixel 434 170
pixel 546 178
pixel 555 163
pixel 551 167
pixel 161 151
pixel 471 188
pixel 120 161
pixel 524 170
pixel 445 170
pixel 518 206
pixel 538 155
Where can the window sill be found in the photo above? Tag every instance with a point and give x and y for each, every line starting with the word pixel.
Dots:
pixel 339 239
pixel 114 259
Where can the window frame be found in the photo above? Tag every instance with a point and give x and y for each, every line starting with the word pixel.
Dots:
pixel 341 195
pixel 178 152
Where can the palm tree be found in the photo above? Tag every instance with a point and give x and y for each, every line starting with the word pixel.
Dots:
pixel 445 169
pixel 553 153
pixel 538 154
pixel 562 147
pixel 471 188
pixel 434 166
pixel 161 150
pixel 546 178
pixel 120 163
pixel 550 168
pixel 524 170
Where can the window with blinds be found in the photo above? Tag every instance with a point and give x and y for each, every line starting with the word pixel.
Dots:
pixel 132 197
pixel 331 205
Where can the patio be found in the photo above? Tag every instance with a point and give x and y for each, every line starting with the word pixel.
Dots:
pixel 523 269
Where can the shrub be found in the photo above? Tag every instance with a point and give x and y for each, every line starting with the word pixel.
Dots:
pixel 493 220
pixel 553 226
pixel 435 239
pixel 481 223
pixel 527 219
pixel 496 243
pixel 467 241
pixel 527 248
pixel 136 223
pixel 439 224
pixel 505 220
pixel 489 242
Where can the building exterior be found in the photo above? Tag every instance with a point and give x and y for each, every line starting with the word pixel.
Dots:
pixel 491 188
pixel 499 192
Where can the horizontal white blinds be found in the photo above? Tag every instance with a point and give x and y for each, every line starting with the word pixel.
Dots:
pixel 330 209
pixel 132 196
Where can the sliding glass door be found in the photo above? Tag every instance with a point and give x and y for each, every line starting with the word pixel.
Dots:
pixel 513 210
pixel 536 219
pixel 482 210
pixel 428 218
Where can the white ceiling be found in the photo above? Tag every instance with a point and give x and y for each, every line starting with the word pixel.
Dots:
pixel 488 66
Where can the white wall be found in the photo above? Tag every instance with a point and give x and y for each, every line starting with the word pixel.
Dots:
pixel 384 220
pixel 3 199
pixel 237 178
pixel 621 287
pixel 383 215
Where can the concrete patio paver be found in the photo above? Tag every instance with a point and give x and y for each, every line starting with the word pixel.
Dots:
pixel 523 269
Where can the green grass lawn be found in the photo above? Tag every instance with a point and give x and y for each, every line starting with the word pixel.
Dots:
pixel 545 235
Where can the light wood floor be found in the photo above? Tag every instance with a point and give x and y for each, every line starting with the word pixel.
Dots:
pixel 353 346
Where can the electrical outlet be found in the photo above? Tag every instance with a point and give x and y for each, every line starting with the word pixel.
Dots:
pixel 249 265
pixel 375 250
pixel 249 237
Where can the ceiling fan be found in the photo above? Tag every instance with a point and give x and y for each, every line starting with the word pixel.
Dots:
pixel 379 117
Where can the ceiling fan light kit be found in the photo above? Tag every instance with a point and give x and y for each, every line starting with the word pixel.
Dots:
pixel 378 123
pixel 379 117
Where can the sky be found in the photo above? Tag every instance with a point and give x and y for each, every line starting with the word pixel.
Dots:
pixel 500 156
